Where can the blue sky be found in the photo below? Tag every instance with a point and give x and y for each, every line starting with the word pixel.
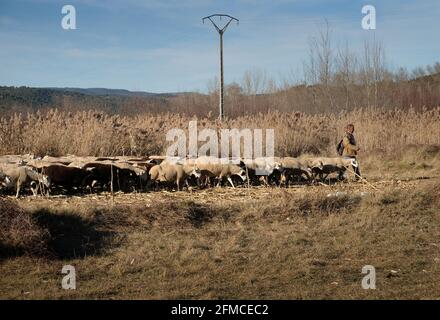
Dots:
pixel 162 45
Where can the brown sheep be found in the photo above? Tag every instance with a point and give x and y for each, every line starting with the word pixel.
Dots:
pixel 65 176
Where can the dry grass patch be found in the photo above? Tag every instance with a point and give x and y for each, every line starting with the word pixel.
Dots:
pixel 19 231
pixel 288 245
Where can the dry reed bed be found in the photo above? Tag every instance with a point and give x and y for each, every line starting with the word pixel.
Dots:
pixel 57 133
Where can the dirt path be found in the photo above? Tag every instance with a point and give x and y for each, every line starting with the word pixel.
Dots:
pixel 224 194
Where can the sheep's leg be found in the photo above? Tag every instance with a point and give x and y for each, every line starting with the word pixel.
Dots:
pixel 84 185
pixel 283 180
pixel 219 181
pixel 230 181
pixel 341 175
pixel 307 175
pixel 208 182
pixel 178 184
pixel 92 186
pixel 278 183
pixel 199 182
pixel 265 180
pixel 287 180
pixel 204 181
pixel 18 189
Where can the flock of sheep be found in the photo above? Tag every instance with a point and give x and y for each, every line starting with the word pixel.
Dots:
pixel 73 174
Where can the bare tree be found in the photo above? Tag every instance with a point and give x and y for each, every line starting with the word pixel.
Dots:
pixel 254 81
pixel 345 73
pixel 437 67
pixel 418 72
pixel 318 70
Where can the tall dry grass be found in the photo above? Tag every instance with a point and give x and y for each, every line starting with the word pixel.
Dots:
pixel 383 132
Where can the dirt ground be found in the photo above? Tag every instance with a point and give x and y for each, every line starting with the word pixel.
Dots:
pixel 301 242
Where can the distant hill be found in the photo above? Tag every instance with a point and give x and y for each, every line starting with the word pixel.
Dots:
pixel 28 99
pixel 115 92
pixel 433 79
pixel 418 92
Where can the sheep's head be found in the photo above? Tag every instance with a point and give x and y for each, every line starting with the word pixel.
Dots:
pixel 277 166
pixel 45 181
pixel 33 186
pixel 242 175
pixel 196 172
pixel 307 169
pixel 316 164
pixel 266 166
pixel 6 182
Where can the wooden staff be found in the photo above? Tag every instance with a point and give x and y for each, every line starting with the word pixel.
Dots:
pixel 365 180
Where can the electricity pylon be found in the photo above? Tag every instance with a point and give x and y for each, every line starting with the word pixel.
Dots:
pixel 221 31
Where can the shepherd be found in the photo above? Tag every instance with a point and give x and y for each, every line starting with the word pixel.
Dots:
pixel 348 148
